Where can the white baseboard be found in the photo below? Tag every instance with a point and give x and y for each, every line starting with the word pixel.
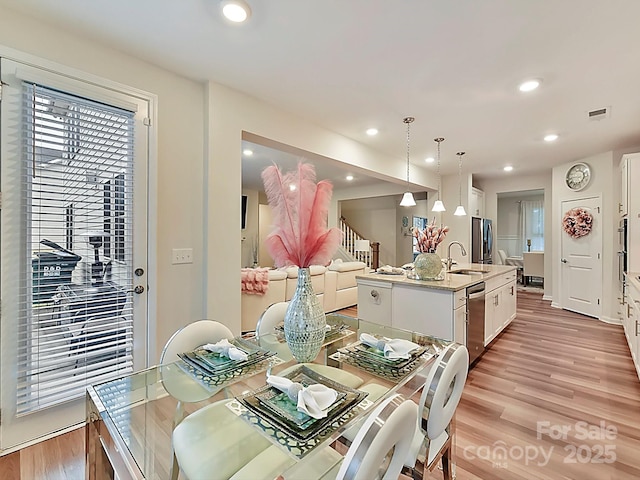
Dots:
pixel 555 305
pixel 611 320
pixel 48 436
pixel 548 298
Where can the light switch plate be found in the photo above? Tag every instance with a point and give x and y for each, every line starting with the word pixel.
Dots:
pixel 181 255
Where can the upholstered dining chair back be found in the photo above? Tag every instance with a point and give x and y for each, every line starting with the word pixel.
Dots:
pixel 191 336
pixel 503 256
pixel 533 264
pixel 383 431
pixel 272 316
pixel 187 339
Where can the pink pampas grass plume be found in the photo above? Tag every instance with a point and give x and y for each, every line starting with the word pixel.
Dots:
pixel 300 235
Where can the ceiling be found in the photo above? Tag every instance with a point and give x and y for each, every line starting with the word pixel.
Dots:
pixel 263 156
pixel 455 66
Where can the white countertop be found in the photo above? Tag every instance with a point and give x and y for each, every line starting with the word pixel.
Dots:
pixel 452 282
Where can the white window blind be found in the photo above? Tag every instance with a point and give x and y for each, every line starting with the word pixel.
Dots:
pixel 75 311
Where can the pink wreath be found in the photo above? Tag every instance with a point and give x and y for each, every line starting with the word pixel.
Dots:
pixel 577 222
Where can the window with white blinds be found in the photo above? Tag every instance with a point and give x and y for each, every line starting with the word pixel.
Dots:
pixel 75 311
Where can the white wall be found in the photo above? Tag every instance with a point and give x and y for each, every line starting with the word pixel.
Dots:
pixel 459 227
pixel 180 118
pixel 230 115
pixel 380 219
pixel 513 182
pixel 508 223
pixel 250 233
pixel 195 121
pixel 404 238
pixel 604 184
pixel 372 218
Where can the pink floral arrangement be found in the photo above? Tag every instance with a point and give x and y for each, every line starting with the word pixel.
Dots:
pixel 577 222
pixel 430 237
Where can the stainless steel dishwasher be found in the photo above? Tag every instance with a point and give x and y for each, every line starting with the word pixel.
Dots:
pixel 475 321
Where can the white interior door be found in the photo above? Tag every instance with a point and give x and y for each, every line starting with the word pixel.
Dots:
pixel 581 269
pixel 73 242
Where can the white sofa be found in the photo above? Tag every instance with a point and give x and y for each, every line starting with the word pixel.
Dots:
pixel 334 285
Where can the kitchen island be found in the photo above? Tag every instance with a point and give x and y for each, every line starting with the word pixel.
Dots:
pixel 439 308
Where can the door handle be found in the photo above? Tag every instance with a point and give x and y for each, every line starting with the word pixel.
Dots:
pixel 564 260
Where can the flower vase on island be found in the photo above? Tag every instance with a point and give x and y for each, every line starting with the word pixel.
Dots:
pixel 428 264
pixel 300 237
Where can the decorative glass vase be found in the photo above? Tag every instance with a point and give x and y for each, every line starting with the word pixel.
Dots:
pixel 428 266
pixel 304 321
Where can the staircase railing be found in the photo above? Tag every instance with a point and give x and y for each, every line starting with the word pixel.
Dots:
pixel 359 247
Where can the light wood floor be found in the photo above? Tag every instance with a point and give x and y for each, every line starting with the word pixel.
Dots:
pixel 549 371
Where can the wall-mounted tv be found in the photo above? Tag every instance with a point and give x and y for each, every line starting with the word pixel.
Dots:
pixel 244 212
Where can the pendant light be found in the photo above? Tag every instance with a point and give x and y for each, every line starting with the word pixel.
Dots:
pixel 438 206
pixel 460 210
pixel 407 198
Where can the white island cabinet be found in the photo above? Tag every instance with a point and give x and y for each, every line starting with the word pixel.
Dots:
pixel 499 304
pixel 631 319
pixel 438 308
pixel 374 301
pixel 439 313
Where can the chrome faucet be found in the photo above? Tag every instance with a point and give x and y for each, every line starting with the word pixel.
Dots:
pixel 449 259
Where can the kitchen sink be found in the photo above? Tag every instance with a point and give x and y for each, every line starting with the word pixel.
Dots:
pixel 467 271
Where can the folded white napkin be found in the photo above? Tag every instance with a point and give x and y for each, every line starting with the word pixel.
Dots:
pixel 313 400
pixel 224 347
pixel 393 348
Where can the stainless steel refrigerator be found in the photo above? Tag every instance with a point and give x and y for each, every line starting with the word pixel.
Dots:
pixel 481 240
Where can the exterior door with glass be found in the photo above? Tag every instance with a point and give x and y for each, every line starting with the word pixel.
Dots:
pixel 73 237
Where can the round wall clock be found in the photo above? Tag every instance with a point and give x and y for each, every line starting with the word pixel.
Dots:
pixel 578 176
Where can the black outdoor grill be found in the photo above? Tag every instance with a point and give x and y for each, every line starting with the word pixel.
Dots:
pixel 51 269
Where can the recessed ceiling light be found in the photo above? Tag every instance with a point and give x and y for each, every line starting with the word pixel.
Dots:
pixel 292 187
pixel 551 137
pixel 247 152
pixel 372 131
pixel 508 168
pixel 429 159
pixel 349 178
pixel 529 85
pixel 236 11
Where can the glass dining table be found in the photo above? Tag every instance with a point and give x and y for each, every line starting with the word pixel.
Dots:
pixel 130 419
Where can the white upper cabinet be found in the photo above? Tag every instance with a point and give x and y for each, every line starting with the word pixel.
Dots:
pixel 623 205
pixel 476 203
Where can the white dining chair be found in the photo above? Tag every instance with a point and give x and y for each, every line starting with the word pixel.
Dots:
pixel 533 265
pixel 503 256
pixel 192 336
pixel 213 439
pixel 440 397
pixel 383 433
pixel 214 443
pixel 270 318
pixel 186 339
